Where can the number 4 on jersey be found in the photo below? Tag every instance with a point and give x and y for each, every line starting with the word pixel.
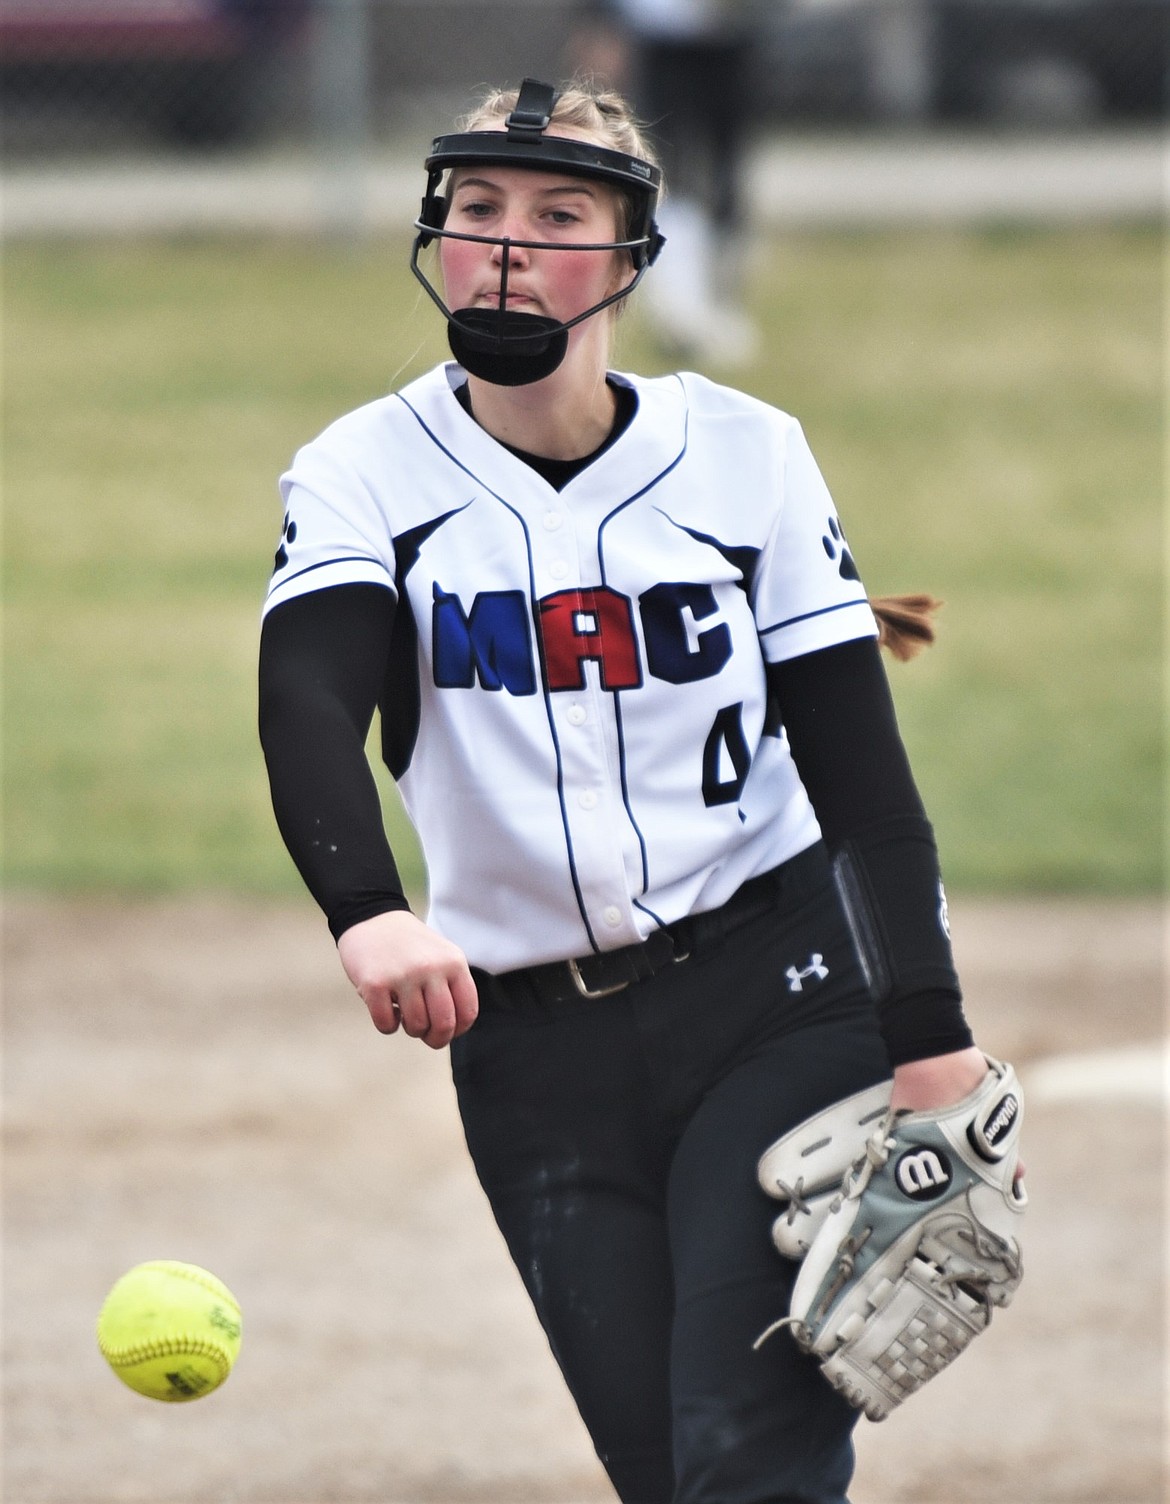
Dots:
pixel 725 751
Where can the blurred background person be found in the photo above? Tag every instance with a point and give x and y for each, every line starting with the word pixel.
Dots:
pixel 685 64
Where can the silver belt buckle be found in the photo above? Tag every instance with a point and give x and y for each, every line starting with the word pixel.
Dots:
pixel 579 984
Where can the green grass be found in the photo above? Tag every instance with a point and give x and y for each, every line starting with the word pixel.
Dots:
pixel 987 409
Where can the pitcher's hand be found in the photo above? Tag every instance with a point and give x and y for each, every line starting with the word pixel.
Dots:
pixel 409 976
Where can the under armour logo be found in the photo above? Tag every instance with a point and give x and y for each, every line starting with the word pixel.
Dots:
pixel 815 968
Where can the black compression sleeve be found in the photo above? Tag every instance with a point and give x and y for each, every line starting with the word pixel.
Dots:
pixel 322 665
pixel 839 714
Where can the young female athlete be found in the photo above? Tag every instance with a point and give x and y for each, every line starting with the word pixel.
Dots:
pixel 683 892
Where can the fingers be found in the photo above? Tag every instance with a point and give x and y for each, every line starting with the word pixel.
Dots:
pixel 382 1008
pixel 427 1011
pixel 435 1008
pixel 466 1000
pixel 409 978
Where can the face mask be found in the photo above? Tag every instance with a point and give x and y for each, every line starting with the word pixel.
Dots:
pixel 501 345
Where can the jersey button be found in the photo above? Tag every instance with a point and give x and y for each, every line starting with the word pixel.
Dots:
pixel 558 569
pixel 587 799
pixel 576 715
pixel 552 521
pixel 613 916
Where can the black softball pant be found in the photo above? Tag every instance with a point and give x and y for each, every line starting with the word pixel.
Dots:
pixel 617 1141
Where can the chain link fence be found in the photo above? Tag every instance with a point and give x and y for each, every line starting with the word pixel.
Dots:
pixel 1024 63
pixel 92 76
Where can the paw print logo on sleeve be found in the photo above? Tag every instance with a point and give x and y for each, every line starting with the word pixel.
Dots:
pixel 838 551
pixel 288 534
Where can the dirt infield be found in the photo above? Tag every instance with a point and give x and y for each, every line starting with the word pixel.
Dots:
pixel 195 1081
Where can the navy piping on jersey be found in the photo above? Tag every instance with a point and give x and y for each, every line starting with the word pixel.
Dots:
pixel 617 704
pixel 547 696
pixel 791 621
pixel 328 563
pixel 741 557
pixel 561 473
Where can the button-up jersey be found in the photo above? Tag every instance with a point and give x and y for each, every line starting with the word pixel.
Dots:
pixel 576 711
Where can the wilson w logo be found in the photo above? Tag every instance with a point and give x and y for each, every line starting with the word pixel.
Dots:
pixel 922 1174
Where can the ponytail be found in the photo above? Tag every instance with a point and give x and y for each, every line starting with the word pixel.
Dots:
pixel 905 623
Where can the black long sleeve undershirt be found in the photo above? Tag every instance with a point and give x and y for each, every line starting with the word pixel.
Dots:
pixel 838 711
pixel 322 668
pixel 839 714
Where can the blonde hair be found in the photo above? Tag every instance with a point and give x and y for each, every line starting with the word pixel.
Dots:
pixel 604 113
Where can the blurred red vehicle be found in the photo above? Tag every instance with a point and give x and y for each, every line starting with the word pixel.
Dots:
pixel 191 69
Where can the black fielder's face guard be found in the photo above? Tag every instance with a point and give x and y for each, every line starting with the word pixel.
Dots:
pixel 497 344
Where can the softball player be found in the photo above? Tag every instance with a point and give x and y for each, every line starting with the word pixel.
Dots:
pixel 683 892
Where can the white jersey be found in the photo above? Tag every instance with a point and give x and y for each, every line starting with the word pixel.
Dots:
pixel 578 716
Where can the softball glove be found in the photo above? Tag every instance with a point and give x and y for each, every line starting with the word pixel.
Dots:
pixel 804 1169
pixel 918 1246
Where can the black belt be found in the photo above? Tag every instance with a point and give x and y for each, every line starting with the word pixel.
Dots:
pixel 609 971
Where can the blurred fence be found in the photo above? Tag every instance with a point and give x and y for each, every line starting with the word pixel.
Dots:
pixel 84 76
pixel 172 115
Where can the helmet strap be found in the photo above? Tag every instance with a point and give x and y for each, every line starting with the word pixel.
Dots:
pixel 533 113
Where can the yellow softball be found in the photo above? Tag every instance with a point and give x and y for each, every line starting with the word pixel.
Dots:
pixel 169 1330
